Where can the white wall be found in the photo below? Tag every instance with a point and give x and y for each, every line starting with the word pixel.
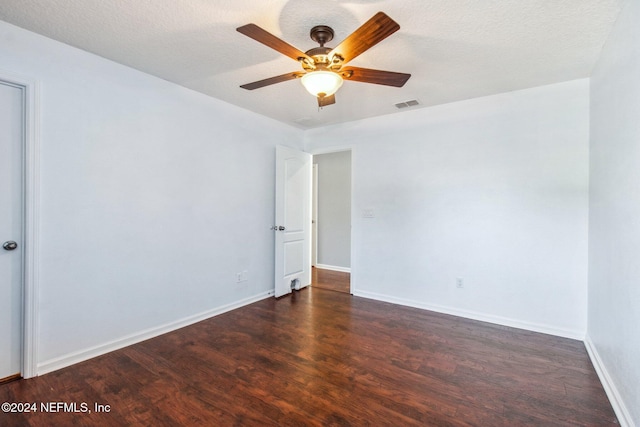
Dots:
pixel 152 198
pixel 334 209
pixel 614 224
pixel 493 190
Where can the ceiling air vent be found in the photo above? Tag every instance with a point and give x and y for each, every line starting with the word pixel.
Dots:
pixel 406 104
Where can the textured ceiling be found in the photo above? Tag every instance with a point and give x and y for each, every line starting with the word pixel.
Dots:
pixel 454 49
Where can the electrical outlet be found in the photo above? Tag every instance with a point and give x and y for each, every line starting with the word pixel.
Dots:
pixel 243 276
pixel 459 283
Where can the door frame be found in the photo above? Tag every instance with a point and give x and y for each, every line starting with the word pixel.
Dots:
pixel 314 213
pixel 30 218
pixel 352 149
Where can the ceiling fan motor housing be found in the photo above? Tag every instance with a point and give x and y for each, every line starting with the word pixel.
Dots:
pixel 321 34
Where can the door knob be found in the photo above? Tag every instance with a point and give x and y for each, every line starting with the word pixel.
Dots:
pixel 9 245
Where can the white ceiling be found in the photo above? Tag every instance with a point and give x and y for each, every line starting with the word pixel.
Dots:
pixel 454 49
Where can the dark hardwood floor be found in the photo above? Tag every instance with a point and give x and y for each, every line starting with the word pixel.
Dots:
pixel 331 280
pixel 322 358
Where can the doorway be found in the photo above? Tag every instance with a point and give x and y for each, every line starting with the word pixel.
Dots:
pixel 19 188
pixel 331 221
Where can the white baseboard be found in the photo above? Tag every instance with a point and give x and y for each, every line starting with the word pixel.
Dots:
pixel 504 321
pixel 333 268
pixel 89 353
pixel 624 417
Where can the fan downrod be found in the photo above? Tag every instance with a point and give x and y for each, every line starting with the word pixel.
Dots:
pixel 321 34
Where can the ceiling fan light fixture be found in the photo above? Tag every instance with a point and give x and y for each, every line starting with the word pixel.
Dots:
pixel 322 82
pixel 323 73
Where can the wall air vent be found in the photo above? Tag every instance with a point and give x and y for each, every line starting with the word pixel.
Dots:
pixel 406 104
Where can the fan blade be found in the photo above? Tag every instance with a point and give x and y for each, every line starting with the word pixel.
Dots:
pixel 268 39
pixel 369 34
pixel 379 77
pixel 272 80
pixel 326 100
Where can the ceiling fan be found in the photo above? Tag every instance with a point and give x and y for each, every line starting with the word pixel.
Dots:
pixel 324 67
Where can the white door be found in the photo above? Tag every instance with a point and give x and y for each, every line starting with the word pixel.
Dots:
pixel 293 220
pixel 11 134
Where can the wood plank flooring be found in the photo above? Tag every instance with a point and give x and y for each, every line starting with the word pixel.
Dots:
pixel 331 280
pixel 319 358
